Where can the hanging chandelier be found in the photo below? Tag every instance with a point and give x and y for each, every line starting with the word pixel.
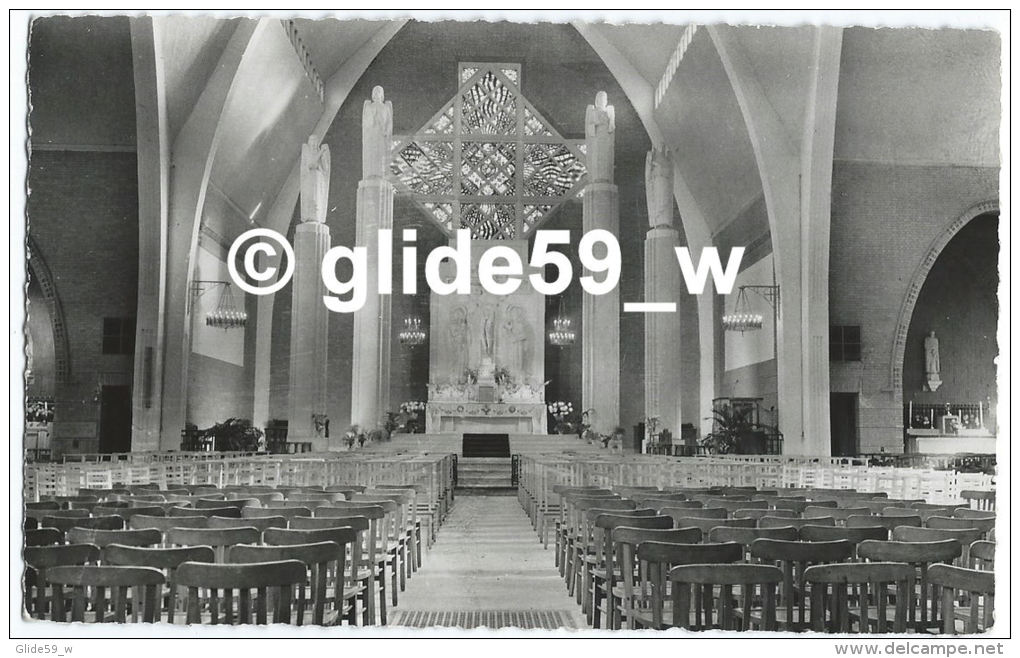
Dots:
pixel 412 335
pixel 226 315
pixel 561 335
pixel 742 319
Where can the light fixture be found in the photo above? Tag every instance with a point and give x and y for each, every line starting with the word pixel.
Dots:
pixel 226 315
pixel 743 318
pixel 412 335
pixel 561 335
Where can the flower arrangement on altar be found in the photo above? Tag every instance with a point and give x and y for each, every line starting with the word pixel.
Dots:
pixel 411 419
pixel 502 376
pixel 469 376
pixel 561 413
pixel 354 434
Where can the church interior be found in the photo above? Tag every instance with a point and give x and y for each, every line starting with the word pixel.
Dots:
pixel 270 377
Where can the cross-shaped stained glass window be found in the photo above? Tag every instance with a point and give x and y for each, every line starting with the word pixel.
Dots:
pixel 488 160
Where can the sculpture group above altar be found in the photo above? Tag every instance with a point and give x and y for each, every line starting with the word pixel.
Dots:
pixel 488 349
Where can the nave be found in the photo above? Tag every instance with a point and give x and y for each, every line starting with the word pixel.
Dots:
pixel 616 542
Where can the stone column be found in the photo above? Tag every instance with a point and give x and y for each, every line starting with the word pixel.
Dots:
pixel 370 376
pixel 309 317
pixel 662 284
pixel 600 325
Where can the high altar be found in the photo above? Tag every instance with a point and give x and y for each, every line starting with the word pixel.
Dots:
pixel 487 358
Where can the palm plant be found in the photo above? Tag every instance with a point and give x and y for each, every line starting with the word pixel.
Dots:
pixel 731 428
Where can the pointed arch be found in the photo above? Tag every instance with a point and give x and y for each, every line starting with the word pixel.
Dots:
pixel 38 269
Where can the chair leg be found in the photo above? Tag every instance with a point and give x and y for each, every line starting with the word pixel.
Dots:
pixel 382 594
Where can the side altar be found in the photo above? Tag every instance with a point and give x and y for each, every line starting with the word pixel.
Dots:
pixel 487 358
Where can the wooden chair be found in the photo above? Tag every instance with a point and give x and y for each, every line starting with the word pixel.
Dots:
pixel 794 558
pixel 965 537
pixel 657 558
pixel 273 584
pixel 361 559
pixel 854 535
pixel 981 500
pixel 101 538
pixel 591 548
pixel 220 539
pixel 968 598
pixel 756 514
pixel 39 559
pixel 43 537
pixel 780 522
pixel 953 523
pixel 166 560
pixel 982 555
pixel 408 532
pixel 752 587
pixel 967 513
pixel 604 572
pixel 63 524
pixel 831 586
pixel 261 523
pixel 707 525
pixel 381 535
pixel 568 525
pixel 376 558
pixel 325 580
pixel 747 536
pixel 343 538
pixel 922 606
pixel 627 597
pixel 577 540
pixel 286 512
pixel 89 586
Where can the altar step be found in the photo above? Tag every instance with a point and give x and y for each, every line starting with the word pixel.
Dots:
pixel 484 473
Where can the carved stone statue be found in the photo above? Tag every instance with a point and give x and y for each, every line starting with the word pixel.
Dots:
pixel 932 366
pixel 515 341
pixel 458 343
pixel 659 187
pixel 599 129
pixel 488 329
pixel 376 134
pixel 315 165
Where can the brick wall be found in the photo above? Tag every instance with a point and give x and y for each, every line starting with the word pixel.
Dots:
pixel 83 217
pixel 884 218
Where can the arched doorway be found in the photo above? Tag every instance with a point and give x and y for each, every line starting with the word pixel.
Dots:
pixel 957 305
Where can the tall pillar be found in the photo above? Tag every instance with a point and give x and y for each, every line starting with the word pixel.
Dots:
pixel 309 318
pixel 370 395
pixel 662 284
pixel 600 326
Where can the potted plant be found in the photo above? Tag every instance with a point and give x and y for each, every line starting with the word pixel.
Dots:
pixel 561 413
pixel 234 434
pixel 734 432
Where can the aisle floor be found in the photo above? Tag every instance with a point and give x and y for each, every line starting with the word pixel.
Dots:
pixel 488 568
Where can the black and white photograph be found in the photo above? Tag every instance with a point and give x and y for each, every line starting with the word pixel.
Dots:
pixel 619 324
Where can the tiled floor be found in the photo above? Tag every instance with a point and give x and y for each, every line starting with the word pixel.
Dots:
pixel 488 558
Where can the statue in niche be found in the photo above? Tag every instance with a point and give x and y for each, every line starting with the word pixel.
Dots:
pixel 488 331
pixel 457 341
pixel 932 366
pixel 659 187
pixel 315 165
pixel 599 129
pixel 376 134
pixel 514 340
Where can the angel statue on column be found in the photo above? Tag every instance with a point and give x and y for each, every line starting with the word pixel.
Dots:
pixel 659 187
pixel 599 126
pixel 376 134
pixel 315 166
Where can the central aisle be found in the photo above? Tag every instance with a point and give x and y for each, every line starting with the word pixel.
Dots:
pixel 487 567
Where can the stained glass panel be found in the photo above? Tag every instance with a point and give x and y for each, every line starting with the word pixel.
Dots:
pixel 488 221
pixel 488 161
pixel 490 108
pixel 488 168
pixel 550 169
pixel 426 167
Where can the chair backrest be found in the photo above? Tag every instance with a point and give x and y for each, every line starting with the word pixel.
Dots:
pixel 854 535
pixel 706 525
pixel 128 512
pixel 42 506
pixel 832 612
pixel 696 513
pixel 147 537
pixel 657 558
pixel 64 524
pixel 657 496
pixel 229 511
pixel 273 583
pixel 43 537
pixel 982 555
pixel 733 505
pixel 89 586
pixel 755 584
pixel 840 514
pixel 757 513
pixel 261 523
pixel 890 523
pixel 325 563
pixel 954 523
pixel 165 559
pixel 965 537
pixel 979 605
pixel 219 538
pixel 922 610
pixel 343 488
pixel 968 513
pixel 793 504
pixel 262 498
pixel 780 522
pixel 219 503
pixel 286 512
pixel 982 500
pixel 65 513
pixel 747 536
pixel 164 523
pixel 793 558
